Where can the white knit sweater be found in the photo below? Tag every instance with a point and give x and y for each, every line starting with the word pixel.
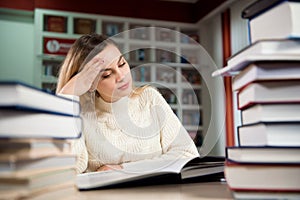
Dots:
pixel 131 130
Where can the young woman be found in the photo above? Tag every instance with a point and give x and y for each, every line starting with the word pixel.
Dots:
pixel 123 125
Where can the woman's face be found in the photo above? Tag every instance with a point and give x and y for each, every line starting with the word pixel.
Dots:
pixel 115 79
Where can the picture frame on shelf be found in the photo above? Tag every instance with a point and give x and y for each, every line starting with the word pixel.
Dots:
pixel 191 75
pixel 165 35
pixel 141 73
pixel 191 117
pixel 189 37
pixel 164 56
pixel 112 28
pixel 140 55
pixel 84 26
pixel 139 32
pixel 169 95
pixel 55 23
pixel 165 75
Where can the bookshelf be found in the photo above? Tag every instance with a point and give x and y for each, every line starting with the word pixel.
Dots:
pixel 160 53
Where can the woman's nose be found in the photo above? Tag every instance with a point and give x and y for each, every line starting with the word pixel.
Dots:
pixel 120 75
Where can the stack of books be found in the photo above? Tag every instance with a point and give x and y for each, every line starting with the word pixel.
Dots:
pixel 36 129
pixel 265 162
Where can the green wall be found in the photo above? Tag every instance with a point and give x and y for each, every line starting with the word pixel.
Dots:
pixel 17 46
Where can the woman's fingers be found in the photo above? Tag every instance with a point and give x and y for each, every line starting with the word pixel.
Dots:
pixel 110 167
pixel 85 80
pixel 90 73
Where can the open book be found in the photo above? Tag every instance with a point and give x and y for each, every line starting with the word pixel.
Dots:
pixel 154 172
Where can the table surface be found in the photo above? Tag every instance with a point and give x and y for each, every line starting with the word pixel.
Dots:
pixel 207 190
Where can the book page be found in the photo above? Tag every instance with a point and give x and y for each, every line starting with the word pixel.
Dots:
pixel 135 171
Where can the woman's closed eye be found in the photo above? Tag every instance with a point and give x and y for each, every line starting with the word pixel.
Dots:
pixel 122 63
pixel 106 74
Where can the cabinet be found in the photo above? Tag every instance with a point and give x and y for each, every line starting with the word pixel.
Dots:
pixel 160 53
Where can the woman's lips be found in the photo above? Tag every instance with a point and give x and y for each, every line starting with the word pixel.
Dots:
pixel 124 87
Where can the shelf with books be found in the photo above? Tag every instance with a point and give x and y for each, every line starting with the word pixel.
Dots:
pixel 189 36
pixel 55 23
pixel 164 34
pixel 139 54
pixel 139 32
pixel 112 28
pixel 84 25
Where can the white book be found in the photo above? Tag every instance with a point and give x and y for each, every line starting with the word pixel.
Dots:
pixel 18 94
pixel 269 92
pixel 153 171
pixel 263 50
pixel 263 155
pixel 22 123
pixel 20 168
pixel 270 195
pixel 269 134
pixel 263 71
pixel 25 149
pixel 37 181
pixel 277 112
pixel 270 177
pixel 278 22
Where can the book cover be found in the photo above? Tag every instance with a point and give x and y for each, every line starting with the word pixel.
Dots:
pixel 266 195
pixel 154 172
pixel 269 92
pixel 271 112
pixel 263 50
pixel 244 177
pixel 269 134
pixel 21 168
pixel 263 155
pixel 260 6
pixel 35 183
pixel 282 21
pixel 84 26
pixel 21 95
pixel 55 23
pixel 25 149
pixel 22 123
pixel 264 71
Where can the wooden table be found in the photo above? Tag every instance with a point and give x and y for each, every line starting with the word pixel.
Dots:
pixel 207 190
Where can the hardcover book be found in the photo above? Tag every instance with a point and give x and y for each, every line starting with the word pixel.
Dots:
pixel 25 123
pixel 282 21
pixel 276 178
pixel 155 172
pixel 263 50
pixel 263 155
pixel 21 95
pixel 269 92
pixel 265 71
pixel 272 134
pixel 25 149
pixel 271 112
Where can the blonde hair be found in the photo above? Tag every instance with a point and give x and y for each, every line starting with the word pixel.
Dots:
pixel 83 50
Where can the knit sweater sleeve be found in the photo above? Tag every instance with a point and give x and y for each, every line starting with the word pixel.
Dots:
pixel 79 149
pixel 78 146
pixel 174 140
